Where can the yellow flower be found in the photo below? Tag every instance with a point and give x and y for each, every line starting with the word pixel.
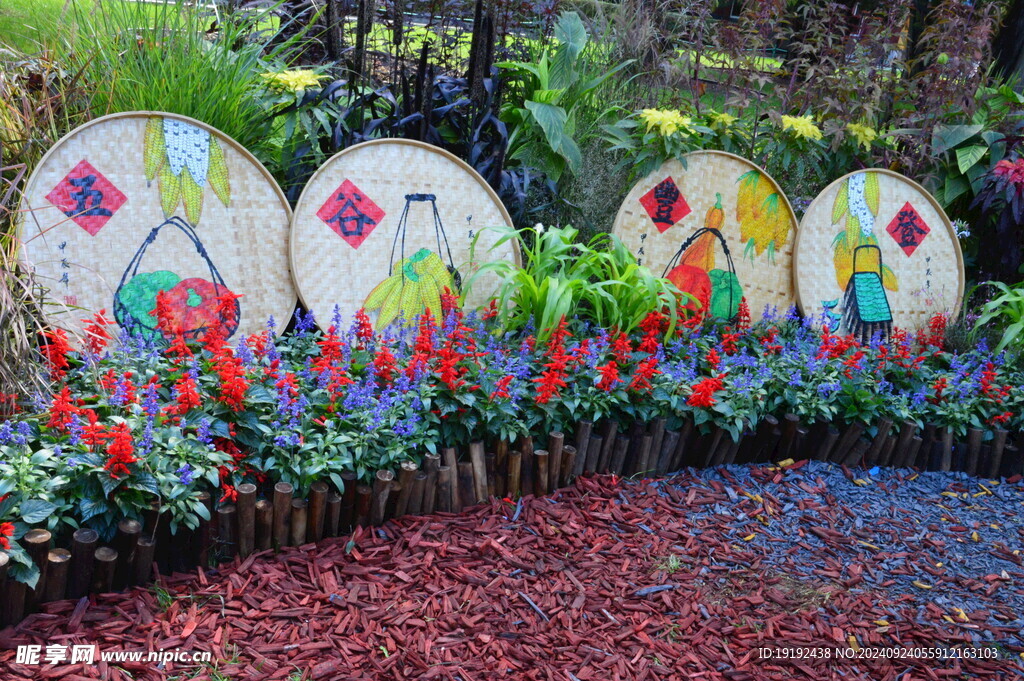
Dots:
pixel 802 126
pixel 864 134
pixel 721 120
pixel 667 121
pixel 293 80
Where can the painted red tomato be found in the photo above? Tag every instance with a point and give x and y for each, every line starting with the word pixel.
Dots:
pixel 193 307
pixel 693 280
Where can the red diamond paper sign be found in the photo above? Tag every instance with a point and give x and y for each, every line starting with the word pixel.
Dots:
pixel 351 214
pixel 908 229
pixel 87 197
pixel 665 204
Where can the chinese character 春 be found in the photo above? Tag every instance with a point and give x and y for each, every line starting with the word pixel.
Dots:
pixel 86 195
pixel 83 654
pixel 28 654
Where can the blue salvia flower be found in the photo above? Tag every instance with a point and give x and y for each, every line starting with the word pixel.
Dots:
pixel 6 433
pixel 151 407
pixel 75 431
pixel 336 318
pixel 203 432
pixel 185 474
pixel 244 353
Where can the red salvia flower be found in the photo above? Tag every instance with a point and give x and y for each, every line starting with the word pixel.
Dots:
pixel 645 371
pixel 938 386
pixel 120 452
pixel 653 327
pixel 501 387
pixel 186 396
pixel 622 348
pixel 713 358
pixel 384 365
pixel 62 411
pixel 743 316
pixel 729 340
pixel 609 376
pixel 703 392
pixel 6 532
pixel 56 353
pixel 364 329
pixel 96 334
pixel 233 384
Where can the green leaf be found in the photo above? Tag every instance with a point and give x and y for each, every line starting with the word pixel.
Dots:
pixel 571 33
pixel 90 508
pixel 946 137
pixel 969 156
pixel 36 510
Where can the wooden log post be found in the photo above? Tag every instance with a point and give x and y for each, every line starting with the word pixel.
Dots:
pixel 790 423
pixel 709 444
pixel 618 460
pixel 846 442
pixel 104 563
pixel 526 464
pixel 874 452
pixel 282 513
pixel 974 436
pixel 513 472
pixel 227 531
pixel 419 484
pixel 855 455
pixel 643 467
pixel 83 550
pixel 333 522
pixel 467 494
pixel 1011 459
pixel 733 449
pixel 582 439
pixel 5 561
pixel 827 444
pixel 202 540
pixel 632 462
pixel 923 459
pixel 609 437
pixel 125 542
pixel 668 447
pixel 679 456
pixel 432 464
pixel 364 502
pixel 556 444
pixel 144 560
pixel 491 468
pixel 450 458
pixel 946 449
pixel 887 450
pixel 246 504
pixel 594 448
pixel 500 465
pixel 58 562
pixel 298 522
pixel 915 446
pixel 37 546
pixel 264 525
pixel 657 433
pixel 12 603
pixel 317 518
pixel 764 440
pixel 541 475
pixel 381 491
pixel 406 476
pixel 902 450
pixel 348 502
pixel 445 481
pixel 476 458
pixel 996 458
pixel 569 457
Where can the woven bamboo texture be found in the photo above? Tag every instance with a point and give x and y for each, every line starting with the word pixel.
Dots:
pixel 337 261
pixel 916 241
pixel 758 229
pixel 82 259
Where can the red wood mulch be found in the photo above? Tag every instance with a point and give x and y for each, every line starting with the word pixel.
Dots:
pixel 565 591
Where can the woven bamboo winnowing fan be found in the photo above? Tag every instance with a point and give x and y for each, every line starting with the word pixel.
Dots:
pixel 388 226
pixel 876 252
pixel 719 227
pixel 135 205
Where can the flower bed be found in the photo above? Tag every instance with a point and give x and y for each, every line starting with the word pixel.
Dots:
pixel 147 444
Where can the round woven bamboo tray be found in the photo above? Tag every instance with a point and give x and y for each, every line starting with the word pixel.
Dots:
pixel 133 203
pixel 384 209
pixel 747 256
pixel 876 246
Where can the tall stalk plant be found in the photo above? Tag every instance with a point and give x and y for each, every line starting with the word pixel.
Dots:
pixel 182 59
